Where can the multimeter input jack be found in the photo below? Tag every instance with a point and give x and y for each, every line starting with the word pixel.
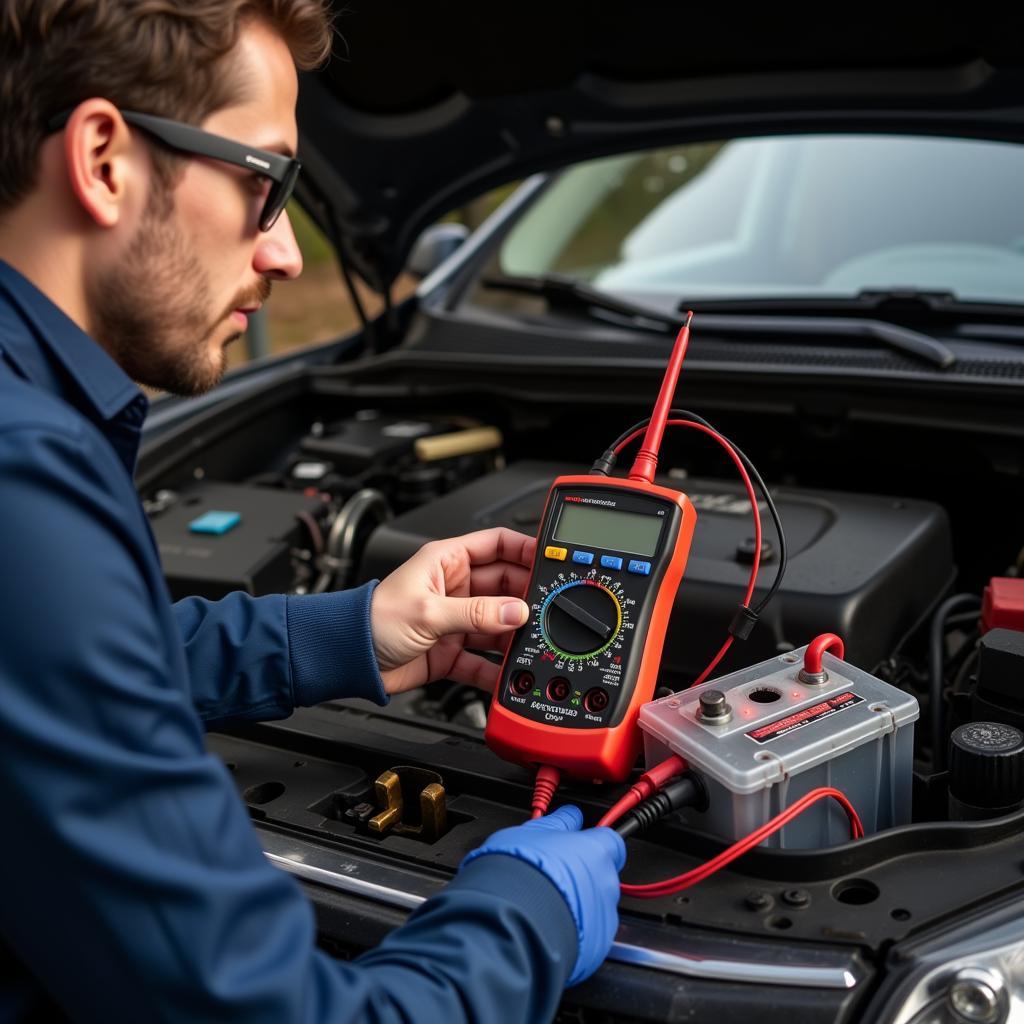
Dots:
pixel 559 689
pixel 522 683
pixel 596 700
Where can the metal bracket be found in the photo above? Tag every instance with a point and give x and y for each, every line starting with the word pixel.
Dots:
pixel 413 803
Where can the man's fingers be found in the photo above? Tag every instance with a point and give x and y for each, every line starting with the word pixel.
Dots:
pixel 498 544
pixel 488 642
pixel 612 844
pixel 473 670
pixel 499 578
pixel 406 677
pixel 477 615
pixel 568 818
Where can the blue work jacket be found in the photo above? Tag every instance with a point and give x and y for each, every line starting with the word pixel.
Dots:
pixel 134 885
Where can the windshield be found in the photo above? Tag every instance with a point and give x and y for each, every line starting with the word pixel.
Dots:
pixel 822 215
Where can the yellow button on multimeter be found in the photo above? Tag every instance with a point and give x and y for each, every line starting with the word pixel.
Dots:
pixel 556 553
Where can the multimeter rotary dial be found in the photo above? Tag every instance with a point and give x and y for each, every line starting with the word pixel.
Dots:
pixel 581 618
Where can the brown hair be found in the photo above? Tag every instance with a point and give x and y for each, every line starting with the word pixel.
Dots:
pixel 157 56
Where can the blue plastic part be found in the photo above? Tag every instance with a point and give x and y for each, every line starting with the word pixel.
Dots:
pixel 215 522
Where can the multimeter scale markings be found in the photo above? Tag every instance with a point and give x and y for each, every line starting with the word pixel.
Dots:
pixel 579 619
pixel 578 629
pixel 571 661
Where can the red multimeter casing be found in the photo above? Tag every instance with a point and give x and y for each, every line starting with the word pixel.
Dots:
pixel 610 557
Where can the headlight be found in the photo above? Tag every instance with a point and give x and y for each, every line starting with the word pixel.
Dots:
pixel 973 976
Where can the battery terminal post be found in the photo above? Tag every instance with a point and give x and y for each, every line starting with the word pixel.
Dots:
pixel 813 673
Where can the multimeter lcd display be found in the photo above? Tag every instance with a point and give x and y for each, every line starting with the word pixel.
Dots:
pixel 631 532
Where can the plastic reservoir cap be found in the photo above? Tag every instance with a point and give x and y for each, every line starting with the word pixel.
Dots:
pixel 986 764
pixel 1003 604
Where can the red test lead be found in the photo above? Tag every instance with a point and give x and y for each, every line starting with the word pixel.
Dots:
pixel 646 461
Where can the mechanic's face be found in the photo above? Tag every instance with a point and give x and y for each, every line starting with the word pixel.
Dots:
pixel 198 262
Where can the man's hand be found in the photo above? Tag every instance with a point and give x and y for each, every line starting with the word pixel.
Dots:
pixel 583 866
pixel 452 594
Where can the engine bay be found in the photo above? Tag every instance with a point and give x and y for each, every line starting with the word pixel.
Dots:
pixel 325 491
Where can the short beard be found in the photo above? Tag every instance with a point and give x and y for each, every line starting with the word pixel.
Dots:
pixel 153 312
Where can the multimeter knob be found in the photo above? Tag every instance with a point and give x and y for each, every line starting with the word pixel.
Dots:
pixel 581 619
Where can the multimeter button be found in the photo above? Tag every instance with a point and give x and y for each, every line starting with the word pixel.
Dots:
pixel 610 562
pixel 640 568
pixel 583 557
pixel 557 553
pixel 522 683
pixel 558 689
pixel 596 700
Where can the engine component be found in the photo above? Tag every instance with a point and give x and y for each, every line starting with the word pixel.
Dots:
pixel 462 442
pixel 1002 606
pixel 252 554
pixel 307 472
pixel 368 439
pixel 371 439
pixel 412 801
pixel 359 516
pixel 863 565
pixel 999 694
pixel 782 738
pixel 411 460
pixel 986 771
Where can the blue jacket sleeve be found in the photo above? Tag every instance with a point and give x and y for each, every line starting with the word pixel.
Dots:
pixel 119 817
pixel 261 657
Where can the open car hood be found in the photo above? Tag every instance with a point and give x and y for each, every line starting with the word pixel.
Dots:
pixel 425 106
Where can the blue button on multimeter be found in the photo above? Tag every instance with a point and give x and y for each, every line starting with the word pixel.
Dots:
pixel 611 562
pixel 583 557
pixel 215 522
pixel 640 568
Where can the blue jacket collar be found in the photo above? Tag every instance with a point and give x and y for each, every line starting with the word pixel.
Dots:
pixel 104 385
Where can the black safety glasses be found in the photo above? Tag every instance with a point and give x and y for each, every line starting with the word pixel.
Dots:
pixel 281 170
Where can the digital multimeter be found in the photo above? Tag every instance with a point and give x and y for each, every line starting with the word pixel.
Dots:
pixel 610 557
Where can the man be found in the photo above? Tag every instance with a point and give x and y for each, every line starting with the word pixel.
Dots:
pixel 133 247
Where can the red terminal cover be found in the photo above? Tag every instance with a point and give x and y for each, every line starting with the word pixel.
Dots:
pixel 1002 606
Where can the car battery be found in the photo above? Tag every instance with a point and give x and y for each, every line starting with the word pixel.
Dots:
pixel 763 737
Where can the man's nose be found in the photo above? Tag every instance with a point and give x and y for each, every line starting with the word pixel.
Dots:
pixel 277 254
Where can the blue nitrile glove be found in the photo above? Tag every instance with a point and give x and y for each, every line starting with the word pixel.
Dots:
pixel 583 866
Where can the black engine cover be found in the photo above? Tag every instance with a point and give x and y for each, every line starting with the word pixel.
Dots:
pixel 862 566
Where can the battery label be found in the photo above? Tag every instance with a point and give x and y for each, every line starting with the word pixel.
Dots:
pixel 832 706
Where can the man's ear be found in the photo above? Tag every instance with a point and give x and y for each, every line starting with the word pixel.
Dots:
pixel 97 151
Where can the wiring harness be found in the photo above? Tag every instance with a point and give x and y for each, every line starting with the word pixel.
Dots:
pixel 746 616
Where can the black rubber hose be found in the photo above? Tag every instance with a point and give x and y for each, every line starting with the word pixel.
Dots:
pixel 936 663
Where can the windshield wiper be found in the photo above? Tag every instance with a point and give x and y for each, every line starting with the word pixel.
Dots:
pixel 909 307
pixel 898 317
pixel 751 316
pixel 566 293
pixel 902 339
